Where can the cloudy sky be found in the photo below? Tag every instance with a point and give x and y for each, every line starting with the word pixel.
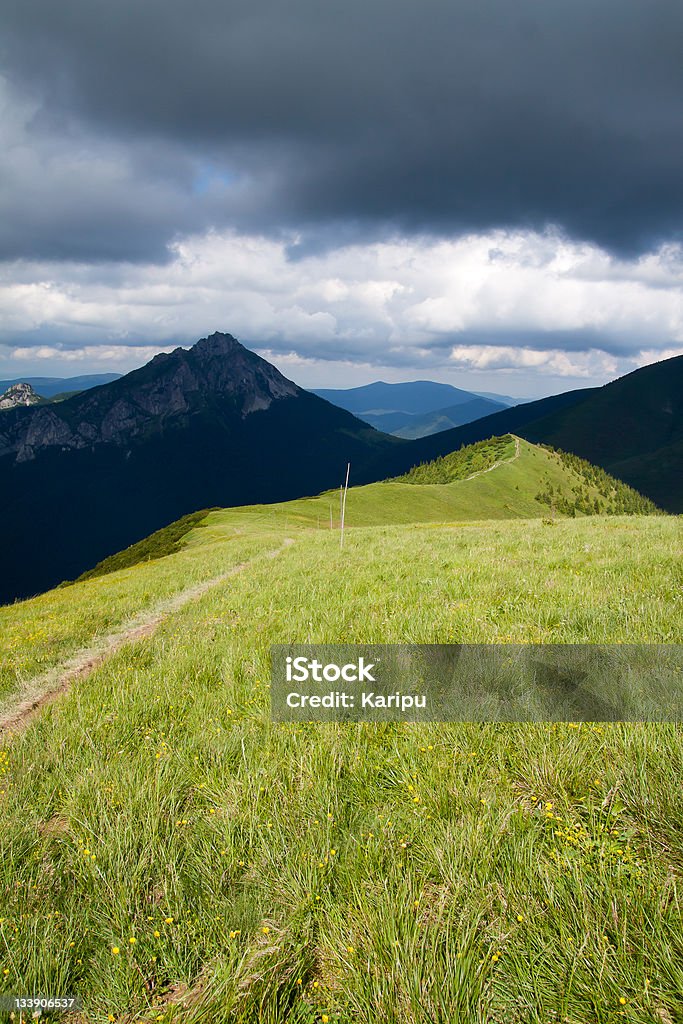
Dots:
pixel 476 191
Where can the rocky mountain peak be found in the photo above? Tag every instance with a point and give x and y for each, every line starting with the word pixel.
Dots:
pixel 18 395
pixel 216 345
pixel 222 365
pixel 216 377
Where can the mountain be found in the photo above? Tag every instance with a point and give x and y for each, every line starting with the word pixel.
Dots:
pixel 412 426
pixel 48 387
pixel 415 397
pixel 212 425
pixel 18 396
pixel 631 427
pixel 217 374
pixel 502 399
pixel 412 409
pixel 217 425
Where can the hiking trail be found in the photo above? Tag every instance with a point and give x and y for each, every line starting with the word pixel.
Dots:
pixel 42 690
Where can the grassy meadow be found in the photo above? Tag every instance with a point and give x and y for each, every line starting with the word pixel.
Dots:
pixel 169 854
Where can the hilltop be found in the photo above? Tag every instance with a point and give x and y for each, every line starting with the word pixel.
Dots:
pixel 19 395
pixel 631 427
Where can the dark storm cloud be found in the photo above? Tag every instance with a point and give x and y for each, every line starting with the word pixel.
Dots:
pixel 430 116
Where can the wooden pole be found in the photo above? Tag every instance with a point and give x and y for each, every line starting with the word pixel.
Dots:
pixel 343 509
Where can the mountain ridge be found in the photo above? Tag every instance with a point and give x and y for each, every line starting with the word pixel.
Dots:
pixel 216 425
pixel 412 427
pixel 632 427
pixel 415 397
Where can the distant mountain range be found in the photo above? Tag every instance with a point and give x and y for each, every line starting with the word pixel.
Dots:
pixel 413 409
pixel 48 387
pixel 218 425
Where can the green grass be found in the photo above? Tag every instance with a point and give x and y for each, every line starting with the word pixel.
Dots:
pixel 39 634
pixel 458 465
pixel 517 874
pixel 515 489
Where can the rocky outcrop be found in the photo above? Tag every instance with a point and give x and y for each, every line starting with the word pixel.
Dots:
pixel 217 375
pixel 18 395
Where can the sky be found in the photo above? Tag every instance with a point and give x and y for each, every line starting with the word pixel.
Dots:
pixel 475 191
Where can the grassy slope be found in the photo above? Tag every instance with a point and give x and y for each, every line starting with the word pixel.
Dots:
pixel 508 492
pixel 40 633
pixel 633 427
pixel 368 873
pixel 165 768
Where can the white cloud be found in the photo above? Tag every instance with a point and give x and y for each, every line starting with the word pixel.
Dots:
pixel 532 305
pixel 589 365
pixel 100 355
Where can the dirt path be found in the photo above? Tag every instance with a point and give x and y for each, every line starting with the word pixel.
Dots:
pixel 45 688
pixel 501 462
